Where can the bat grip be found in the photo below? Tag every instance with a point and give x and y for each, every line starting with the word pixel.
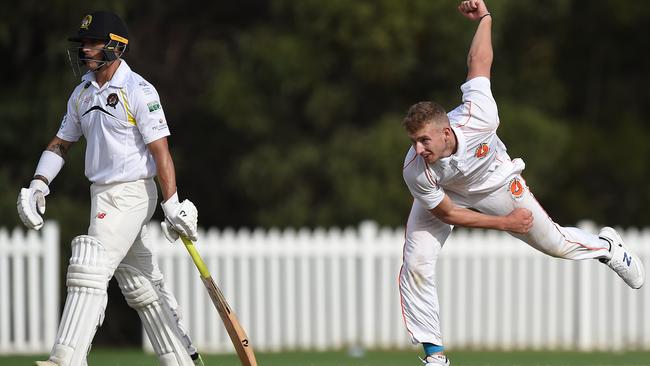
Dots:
pixel 196 257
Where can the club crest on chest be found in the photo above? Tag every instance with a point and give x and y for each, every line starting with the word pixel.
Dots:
pixel 112 100
pixel 482 150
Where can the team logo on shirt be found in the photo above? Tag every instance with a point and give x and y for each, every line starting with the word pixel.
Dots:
pixel 101 215
pixel 516 188
pixel 112 100
pixel 482 150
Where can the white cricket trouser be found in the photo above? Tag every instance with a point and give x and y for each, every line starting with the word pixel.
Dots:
pixel 124 233
pixel 425 236
pixel 118 217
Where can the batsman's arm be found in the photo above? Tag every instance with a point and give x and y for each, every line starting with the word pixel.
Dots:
pixel 520 220
pixel 52 159
pixel 180 217
pixel 479 58
pixel 31 200
pixel 164 166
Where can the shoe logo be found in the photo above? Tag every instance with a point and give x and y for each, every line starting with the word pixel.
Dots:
pixel 627 259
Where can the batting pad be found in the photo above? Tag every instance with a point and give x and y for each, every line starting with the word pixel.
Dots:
pixel 170 304
pixel 156 318
pixel 85 303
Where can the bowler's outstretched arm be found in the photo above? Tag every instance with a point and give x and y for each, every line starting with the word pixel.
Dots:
pixel 479 58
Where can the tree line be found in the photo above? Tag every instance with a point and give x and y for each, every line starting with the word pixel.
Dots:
pixel 288 113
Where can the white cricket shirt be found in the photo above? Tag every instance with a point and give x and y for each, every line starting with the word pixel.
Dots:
pixel 118 120
pixel 480 164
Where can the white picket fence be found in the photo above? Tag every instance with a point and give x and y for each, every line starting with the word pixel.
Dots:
pixel 29 289
pixel 330 289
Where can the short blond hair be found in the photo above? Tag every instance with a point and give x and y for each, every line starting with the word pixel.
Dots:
pixel 422 113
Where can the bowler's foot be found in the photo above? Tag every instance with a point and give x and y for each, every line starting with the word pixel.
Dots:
pixel 626 264
pixel 436 360
pixel 45 363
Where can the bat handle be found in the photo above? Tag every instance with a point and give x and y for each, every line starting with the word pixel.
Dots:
pixel 196 257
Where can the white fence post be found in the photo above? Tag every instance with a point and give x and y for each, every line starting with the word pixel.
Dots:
pixel 29 289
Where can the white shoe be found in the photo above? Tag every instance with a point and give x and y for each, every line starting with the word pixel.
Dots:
pixel 436 360
pixel 45 363
pixel 626 264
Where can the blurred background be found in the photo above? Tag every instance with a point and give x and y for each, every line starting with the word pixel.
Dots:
pixel 287 113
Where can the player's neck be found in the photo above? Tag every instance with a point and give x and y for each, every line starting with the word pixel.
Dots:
pixel 452 144
pixel 106 73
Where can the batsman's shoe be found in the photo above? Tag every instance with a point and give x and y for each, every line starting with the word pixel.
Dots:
pixel 197 360
pixel 45 363
pixel 436 360
pixel 626 264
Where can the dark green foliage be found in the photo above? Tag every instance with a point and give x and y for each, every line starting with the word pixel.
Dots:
pixel 286 113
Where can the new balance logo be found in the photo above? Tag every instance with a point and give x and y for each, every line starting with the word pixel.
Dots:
pixel 627 259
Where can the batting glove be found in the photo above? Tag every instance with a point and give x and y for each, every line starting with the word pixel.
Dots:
pixel 31 204
pixel 181 218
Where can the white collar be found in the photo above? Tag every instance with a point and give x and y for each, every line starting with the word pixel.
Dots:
pixel 457 159
pixel 118 80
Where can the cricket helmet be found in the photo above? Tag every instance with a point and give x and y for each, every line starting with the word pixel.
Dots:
pixel 105 26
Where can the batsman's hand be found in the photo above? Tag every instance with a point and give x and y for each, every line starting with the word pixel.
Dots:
pixel 519 221
pixel 169 232
pixel 473 9
pixel 181 218
pixel 31 204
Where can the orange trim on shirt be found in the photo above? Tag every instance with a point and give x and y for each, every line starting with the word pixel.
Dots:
pixel 412 160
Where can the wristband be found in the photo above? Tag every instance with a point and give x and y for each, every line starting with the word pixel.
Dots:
pixel 483 16
pixel 169 205
pixel 49 165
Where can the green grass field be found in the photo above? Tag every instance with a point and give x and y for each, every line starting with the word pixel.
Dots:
pixel 131 357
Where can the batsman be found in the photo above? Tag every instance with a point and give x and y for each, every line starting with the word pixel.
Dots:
pixel 459 173
pixel 120 115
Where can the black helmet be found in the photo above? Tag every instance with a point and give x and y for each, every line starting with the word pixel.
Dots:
pixel 100 25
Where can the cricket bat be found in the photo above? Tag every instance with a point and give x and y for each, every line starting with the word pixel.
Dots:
pixel 234 329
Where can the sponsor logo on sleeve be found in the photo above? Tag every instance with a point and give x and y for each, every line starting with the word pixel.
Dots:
pixel 111 100
pixel 161 125
pixel 153 106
